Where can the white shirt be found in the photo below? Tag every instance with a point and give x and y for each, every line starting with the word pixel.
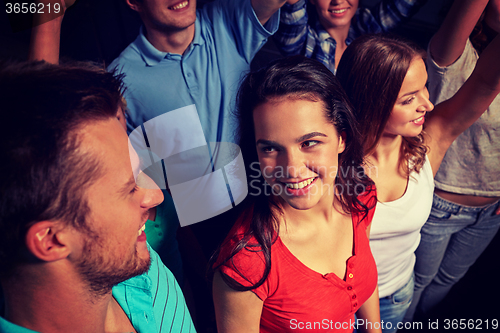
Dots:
pixel 395 231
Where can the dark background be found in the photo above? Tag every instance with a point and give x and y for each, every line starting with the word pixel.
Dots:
pixel 98 30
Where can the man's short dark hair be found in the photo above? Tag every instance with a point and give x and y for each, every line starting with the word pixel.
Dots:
pixel 44 174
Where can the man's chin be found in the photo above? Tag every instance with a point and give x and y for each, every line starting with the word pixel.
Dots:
pixel 102 275
pixel 142 254
pixel 143 266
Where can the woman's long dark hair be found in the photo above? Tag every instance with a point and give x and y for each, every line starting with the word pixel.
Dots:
pixel 300 78
pixel 371 71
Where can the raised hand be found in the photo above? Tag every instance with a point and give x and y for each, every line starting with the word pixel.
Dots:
pixel 46 32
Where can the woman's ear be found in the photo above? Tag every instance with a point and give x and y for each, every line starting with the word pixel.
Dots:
pixel 342 141
pixel 46 241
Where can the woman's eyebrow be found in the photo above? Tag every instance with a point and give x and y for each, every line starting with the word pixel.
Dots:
pixel 267 143
pixel 309 136
pixel 298 140
pixel 410 93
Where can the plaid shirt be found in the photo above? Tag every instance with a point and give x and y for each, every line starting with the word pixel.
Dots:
pixel 299 34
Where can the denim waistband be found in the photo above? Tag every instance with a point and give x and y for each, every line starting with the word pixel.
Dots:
pixel 455 208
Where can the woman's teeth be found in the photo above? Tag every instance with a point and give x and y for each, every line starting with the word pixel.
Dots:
pixel 416 121
pixel 338 11
pixel 300 185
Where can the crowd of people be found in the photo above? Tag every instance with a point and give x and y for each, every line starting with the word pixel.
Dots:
pixel 371 167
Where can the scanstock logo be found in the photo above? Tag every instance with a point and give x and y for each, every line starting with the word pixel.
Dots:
pixel 205 179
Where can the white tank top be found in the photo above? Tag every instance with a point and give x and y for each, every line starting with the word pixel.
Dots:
pixel 395 231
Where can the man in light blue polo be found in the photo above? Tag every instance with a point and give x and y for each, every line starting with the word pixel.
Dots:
pixel 183 57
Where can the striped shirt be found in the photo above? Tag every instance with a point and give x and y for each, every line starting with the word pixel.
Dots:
pixel 300 34
pixel 154 301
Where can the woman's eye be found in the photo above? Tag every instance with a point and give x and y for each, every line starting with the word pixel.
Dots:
pixel 409 100
pixel 310 143
pixel 134 189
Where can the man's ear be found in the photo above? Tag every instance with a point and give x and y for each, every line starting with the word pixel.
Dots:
pixel 46 240
pixel 134 5
pixel 342 140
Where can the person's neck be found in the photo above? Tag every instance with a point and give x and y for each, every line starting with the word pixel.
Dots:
pixel 388 149
pixel 176 41
pixel 322 213
pixel 340 35
pixel 50 304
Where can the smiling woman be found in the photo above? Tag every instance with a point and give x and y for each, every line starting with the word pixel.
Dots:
pixel 305 244
pixel 308 158
pixel 385 78
pixel 335 15
pixel 322 29
pixel 391 114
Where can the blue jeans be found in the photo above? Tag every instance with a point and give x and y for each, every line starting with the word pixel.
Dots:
pixel 393 307
pixel 453 238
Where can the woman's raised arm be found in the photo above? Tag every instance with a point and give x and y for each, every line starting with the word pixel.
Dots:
pixel 450 118
pixel 46 33
pixel 448 44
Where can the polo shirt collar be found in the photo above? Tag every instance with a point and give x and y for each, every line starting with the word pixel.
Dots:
pixel 197 32
pixel 152 56
pixel 140 281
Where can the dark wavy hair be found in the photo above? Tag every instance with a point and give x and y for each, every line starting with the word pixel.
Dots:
pixel 371 71
pixel 46 175
pixel 300 78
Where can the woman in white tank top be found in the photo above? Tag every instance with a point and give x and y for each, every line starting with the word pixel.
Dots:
pixel 385 78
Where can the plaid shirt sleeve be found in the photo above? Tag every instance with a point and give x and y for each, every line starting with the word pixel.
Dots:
pixel 384 16
pixel 293 30
pixel 296 35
